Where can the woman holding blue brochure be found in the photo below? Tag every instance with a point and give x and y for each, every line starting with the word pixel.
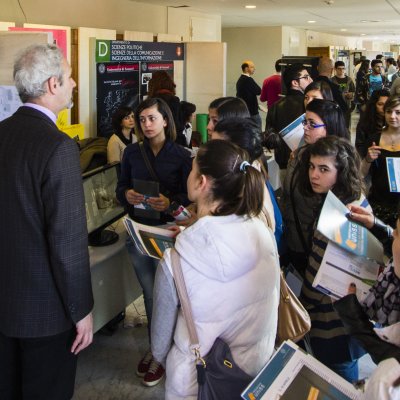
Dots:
pixel 331 163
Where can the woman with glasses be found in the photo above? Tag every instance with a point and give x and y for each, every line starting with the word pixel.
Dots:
pixel 156 159
pixel 322 118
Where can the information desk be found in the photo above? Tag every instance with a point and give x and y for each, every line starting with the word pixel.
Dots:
pixel 114 280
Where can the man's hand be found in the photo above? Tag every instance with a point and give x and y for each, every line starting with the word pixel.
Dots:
pixel 84 336
pixel 133 197
pixel 160 203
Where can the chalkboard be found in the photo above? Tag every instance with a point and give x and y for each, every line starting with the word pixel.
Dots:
pixel 117 85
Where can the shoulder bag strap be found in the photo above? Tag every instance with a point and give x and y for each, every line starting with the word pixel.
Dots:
pixel 147 162
pixel 296 216
pixel 184 299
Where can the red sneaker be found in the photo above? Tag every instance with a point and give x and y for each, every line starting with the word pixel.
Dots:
pixel 144 364
pixel 154 375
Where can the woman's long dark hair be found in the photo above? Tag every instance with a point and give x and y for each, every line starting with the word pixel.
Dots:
pixel 349 184
pixel 163 109
pixel 331 115
pixel 237 186
pixel 161 81
pixel 116 121
pixel 370 116
pixel 323 87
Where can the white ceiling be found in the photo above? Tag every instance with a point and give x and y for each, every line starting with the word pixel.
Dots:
pixel 381 17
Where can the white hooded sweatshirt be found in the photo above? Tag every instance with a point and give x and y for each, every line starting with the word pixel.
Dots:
pixel 231 270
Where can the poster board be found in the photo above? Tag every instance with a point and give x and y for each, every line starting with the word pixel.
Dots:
pixel 10 44
pixel 66 29
pixel 117 85
pixel 123 69
pixel 87 76
pixel 60 36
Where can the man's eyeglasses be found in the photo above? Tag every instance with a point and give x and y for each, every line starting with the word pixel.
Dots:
pixel 306 77
pixel 311 124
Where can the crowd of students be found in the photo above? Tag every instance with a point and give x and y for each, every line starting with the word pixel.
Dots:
pixel 228 249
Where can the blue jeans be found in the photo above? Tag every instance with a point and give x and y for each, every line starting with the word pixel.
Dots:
pixel 145 269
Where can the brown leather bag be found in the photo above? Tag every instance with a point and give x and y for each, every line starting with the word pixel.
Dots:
pixel 293 319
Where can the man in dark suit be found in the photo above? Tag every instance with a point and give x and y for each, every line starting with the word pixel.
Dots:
pixel 45 286
pixel 248 90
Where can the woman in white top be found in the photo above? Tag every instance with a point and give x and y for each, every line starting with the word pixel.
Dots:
pixel 230 266
pixel 123 122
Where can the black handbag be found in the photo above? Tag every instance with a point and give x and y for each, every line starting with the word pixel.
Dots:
pixel 218 376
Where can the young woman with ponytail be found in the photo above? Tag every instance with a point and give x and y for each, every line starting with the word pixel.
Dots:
pixel 231 270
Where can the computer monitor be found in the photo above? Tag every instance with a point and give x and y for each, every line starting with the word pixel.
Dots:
pixel 102 207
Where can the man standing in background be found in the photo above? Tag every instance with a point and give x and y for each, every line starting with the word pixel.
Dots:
pixel 346 87
pixel 296 78
pixel 45 286
pixel 325 70
pixel 371 82
pixel 272 86
pixel 248 90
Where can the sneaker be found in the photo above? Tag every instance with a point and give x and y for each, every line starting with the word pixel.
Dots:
pixel 144 364
pixel 154 375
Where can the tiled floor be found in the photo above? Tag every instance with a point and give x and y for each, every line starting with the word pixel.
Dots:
pixel 106 370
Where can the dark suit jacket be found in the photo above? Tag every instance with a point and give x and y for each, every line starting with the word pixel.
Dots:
pixel 279 116
pixel 45 285
pixel 248 90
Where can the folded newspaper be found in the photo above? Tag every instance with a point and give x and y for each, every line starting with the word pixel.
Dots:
pixel 150 240
pixel 291 374
pixel 353 254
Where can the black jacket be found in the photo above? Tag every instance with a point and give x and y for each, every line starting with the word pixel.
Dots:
pixel 248 90
pixel 279 116
pixel 358 325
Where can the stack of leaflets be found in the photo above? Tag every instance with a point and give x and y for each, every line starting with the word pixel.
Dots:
pixel 150 240
pixel 353 254
pixel 291 374
pixel 293 133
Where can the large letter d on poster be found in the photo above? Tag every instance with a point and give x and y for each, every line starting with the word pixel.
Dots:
pixel 102 50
